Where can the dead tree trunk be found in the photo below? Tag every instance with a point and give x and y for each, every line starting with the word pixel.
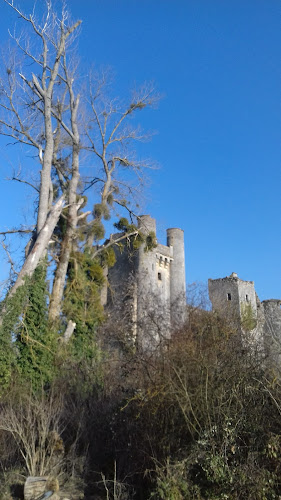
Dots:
pixel 74 205
pixel 44 95
pixel 38 249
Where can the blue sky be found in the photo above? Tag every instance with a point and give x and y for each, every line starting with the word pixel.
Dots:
pixel 217 65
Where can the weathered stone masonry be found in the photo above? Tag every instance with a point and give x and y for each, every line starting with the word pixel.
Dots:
pixel 149 286
pixel 231 296
pixel 148 289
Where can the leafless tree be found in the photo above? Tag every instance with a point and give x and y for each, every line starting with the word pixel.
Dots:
pixel 40 111
pixel 35 423
pixel 107 136
pixel 32 105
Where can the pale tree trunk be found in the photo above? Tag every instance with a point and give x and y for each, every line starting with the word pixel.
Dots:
pixel 74 205
pixel 68 332
pixel 38 249
pixel 46 99
pixel 65 251
pixel 46 93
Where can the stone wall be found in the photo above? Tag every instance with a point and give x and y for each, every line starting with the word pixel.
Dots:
pixel 158 277
pixel 231 295
pixel 259 321
pixel 272 329
pixel 224 295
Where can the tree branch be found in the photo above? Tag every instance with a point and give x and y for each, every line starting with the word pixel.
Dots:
pixel 23 182
pixel 115 242
pixel 11 262
pixel 16 231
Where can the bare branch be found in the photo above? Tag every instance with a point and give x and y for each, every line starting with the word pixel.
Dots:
pixel 23 182
pixel 11 262
pixel 17 231
pixel 84 215
pixel 111 242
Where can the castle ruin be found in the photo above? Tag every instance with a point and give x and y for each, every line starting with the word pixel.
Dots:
pixel 237 300
pixel 148 290
pixel 149 286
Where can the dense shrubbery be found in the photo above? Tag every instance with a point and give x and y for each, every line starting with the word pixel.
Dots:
pixel 200 420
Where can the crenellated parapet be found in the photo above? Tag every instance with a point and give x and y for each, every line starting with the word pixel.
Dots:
pixel 237 300
pixel 158 299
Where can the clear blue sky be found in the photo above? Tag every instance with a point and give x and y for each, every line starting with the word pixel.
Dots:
pixel 217 64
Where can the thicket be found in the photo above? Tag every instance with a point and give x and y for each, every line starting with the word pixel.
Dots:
pixel 200 420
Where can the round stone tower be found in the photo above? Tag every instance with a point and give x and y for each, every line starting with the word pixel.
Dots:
pixel 147 224
pixel 175 240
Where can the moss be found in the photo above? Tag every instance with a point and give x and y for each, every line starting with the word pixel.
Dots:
pixel 248 320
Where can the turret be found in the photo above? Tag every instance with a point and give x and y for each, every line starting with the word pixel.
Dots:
pixel 233 297
pixel 175 240
pixel 147 224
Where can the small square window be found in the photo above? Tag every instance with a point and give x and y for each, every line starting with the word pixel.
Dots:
pixel 229 296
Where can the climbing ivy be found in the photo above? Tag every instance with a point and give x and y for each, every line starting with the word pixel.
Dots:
pixel 248 320
pixel 36 343
pixel 27 346
pixel 82 302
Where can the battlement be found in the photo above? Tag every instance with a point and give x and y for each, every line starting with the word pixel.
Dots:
pixel 164 251
pixel 151 286
pixel 274 302
pixel 234 298
pixel 233 277
pixel 154 281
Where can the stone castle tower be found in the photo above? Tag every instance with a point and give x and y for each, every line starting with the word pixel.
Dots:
pixel 149 286
pixel 237 299
pixel 231 296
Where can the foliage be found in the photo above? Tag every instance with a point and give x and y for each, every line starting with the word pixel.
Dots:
pixel 82 304
pixel 13 307
pixel 172 484
pixel 136 238
pixel 216 415
pixel 199 420
pixel 11 484
pixel 248 320
pixel 36 343
pixel 27 345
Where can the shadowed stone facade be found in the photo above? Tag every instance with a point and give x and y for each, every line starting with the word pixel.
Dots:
pixel 148 287
pixel 147 290
pixel 231 296
pixel 236 299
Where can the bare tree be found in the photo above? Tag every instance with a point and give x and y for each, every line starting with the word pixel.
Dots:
pixel 40 111
pixel 74 202
pixel 111 135
pixel 108 135
pixel 35 423
pixel 32 106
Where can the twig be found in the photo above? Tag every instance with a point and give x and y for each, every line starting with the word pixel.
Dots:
pixel 17 231
pixel 11 262
pixel 23 182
